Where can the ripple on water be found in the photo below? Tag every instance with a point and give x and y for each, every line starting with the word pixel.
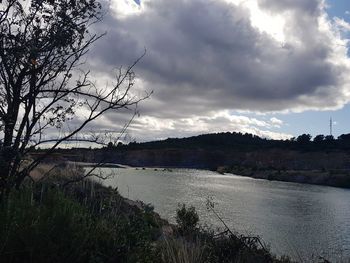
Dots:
pixel 296 219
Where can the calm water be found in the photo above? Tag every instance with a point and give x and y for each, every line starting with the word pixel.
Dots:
pixel 295 219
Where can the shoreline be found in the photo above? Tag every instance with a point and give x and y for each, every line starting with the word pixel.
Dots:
pixel 339 178
pixel 103 165
pixel 333 178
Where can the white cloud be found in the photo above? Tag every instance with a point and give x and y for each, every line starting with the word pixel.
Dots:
pixel 208 58
pixel 272 24
pixel 276 122
pixel 341 23
pixel 221 121
pixel 125 8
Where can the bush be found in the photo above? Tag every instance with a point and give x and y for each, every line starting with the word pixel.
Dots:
pixel 45 224
pixel 187 219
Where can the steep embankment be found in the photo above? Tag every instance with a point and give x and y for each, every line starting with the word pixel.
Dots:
pixel 204 158
pixel 322 161
pixel 314 167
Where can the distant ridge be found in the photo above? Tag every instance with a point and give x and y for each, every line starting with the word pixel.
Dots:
pixel 323 160
pixel 245 142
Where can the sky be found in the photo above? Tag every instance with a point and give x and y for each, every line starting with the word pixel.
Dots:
pixel 274 68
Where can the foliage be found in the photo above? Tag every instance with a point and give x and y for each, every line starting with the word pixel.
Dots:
pixel 319 138
pixel 45 224
pixel 202 244
pixel 180 250
pixel 187 219
pixel 237 141
pixel 304 138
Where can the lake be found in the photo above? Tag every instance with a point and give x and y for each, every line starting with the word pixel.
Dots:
pixel 299 220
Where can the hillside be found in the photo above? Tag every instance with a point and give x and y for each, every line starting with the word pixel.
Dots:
pixel 324 160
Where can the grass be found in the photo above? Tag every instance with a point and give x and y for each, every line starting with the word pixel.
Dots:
pixel 45 224
pixel 179 250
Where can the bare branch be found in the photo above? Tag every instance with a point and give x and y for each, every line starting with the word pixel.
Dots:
pixel 41 85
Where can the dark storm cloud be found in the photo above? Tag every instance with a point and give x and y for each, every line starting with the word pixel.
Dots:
pixel 206 54
pixel 205 59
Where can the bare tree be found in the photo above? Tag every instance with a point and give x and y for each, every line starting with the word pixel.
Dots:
pixel 42 86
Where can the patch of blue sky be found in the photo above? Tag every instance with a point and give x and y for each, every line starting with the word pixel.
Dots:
pixel 339 8
pixel 311 122
pixel 316 122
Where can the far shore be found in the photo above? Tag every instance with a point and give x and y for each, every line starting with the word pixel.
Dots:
pixel 335 178
pixel 104 165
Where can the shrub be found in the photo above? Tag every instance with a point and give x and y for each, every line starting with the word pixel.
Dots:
pixel 45 224
pixel 187 219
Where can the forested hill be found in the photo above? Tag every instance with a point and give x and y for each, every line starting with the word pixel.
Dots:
pixel 244 142
pixel 321 160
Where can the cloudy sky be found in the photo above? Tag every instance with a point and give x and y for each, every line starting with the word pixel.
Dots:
pixel 275 68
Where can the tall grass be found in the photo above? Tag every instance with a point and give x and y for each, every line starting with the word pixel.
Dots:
pixel 179 250
pixel 42 223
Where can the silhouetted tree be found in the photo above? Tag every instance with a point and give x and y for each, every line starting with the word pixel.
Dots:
pixel 329 138
pixel 110 145
pixel 319 138
pixel 344 137
pixel 344 141
pixel 42 86
pixel 304 138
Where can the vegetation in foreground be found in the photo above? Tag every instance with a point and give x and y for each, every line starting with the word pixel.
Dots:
pixel 86 222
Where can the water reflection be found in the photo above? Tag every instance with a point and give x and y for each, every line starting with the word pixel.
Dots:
pixel 298 220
